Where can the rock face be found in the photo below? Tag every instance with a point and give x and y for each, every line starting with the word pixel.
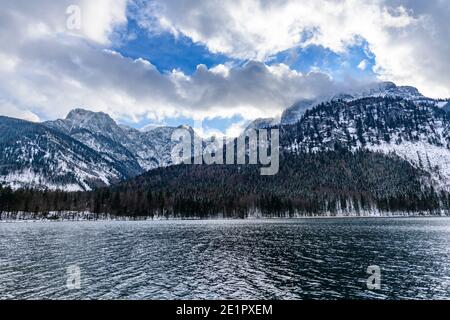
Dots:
pixel 34 155
pixel 83 151
pixel 140 151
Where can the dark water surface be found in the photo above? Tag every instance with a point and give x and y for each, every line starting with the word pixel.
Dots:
pixel 261 259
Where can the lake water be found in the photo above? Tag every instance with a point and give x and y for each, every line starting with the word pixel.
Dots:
pixel 273 259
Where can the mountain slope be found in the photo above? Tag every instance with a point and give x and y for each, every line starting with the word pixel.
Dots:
pixel 417 132
pixel 327 183
pixel 366 156
pixel 396 121
pixel 294 113
pixel 34 155
pixel 380 89
pixel 139 151
pixel 83 151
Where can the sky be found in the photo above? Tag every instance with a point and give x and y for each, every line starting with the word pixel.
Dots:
pixel 173 62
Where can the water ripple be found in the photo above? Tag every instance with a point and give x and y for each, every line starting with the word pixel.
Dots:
pixel 285 259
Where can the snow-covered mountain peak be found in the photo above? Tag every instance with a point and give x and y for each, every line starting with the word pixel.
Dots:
pixel 85 115
pixel 94 121
pixel 384 89
pixel 138 150
pixel 372 90
pixel 262 123
pixel 185 126
pixel 149 127
pixel 418 132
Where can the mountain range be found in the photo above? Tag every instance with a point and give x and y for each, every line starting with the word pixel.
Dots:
pixel 87 150
pixel 382 89
pixel 83 151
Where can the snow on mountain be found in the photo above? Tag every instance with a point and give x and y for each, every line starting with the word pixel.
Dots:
pixel 379 89
pixel 295 112
pixel 101 133
pixel 445 105
pixel 384 89
pixel 153 148
pixel 89 149
pixel 138 150
pixel 421 154
pixel 262 123
pixel 28 178
pixel 85 150
pixel 416 132
pixel 149 127
pixel 34 155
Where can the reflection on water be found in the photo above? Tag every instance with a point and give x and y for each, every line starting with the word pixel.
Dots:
pixel 276 259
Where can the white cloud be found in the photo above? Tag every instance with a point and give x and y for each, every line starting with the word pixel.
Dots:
pixel 409 38
pixel 236 129
pixel 363 65
pixel 99 18
pixel 257 29
pixel 9 110
pixel 54 76
pixel 43 18
pixel 51 71
pixel 47 70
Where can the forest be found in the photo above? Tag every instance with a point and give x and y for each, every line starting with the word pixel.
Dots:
pixel 325 183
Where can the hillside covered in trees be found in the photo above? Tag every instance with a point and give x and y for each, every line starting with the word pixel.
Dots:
pixel 372 155
pixel 328 183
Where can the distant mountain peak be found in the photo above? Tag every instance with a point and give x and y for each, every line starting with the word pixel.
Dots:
pixel 150 127
pixel 262 123
pixel 386 85
pixel 372 90
pixel 36 155
pixel 82 115
pixel 385 89
pixel 184 126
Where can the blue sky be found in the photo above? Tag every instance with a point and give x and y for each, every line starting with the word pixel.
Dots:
pixel 225 62
pixel 168 52
pixel 338 65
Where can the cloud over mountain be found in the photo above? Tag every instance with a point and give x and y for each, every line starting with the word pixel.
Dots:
pixel 48 70
pixel 410 39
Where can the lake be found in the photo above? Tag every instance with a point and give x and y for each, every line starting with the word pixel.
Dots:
pixel 237 259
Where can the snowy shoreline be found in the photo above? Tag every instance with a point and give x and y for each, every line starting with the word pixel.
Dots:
pixel 8 217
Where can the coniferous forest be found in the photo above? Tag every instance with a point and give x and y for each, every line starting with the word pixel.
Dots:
pixel 326 183
pixel 325 169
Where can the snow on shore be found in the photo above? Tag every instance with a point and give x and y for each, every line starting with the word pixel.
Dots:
pixel 89 216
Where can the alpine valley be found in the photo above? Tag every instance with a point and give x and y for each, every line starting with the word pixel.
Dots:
pixel 382 149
